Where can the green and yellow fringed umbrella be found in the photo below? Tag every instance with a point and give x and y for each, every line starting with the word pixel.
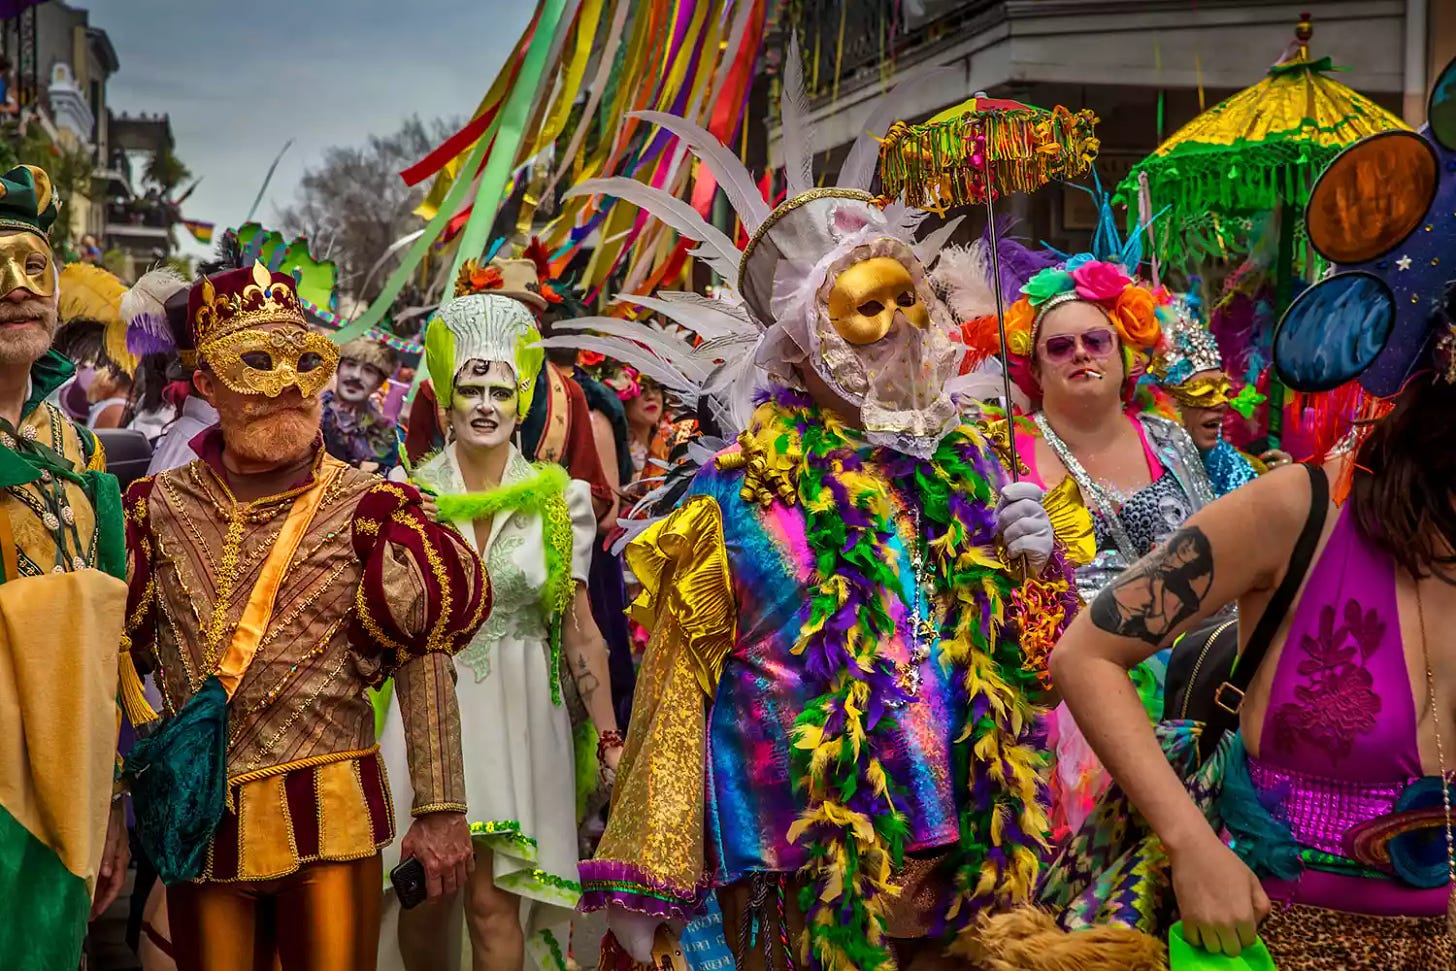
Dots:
pixel 1259 151
pixel 978 151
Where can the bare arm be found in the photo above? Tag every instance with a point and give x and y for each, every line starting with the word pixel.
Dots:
pixel 586 655
pixel 1235 549
pixel 607 451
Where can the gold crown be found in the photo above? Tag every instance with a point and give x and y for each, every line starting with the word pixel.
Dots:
pixel 241 299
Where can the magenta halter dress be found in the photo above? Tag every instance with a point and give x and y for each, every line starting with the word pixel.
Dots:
pixel 1339 738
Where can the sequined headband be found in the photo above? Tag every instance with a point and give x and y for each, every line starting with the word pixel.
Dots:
pixel 1050 304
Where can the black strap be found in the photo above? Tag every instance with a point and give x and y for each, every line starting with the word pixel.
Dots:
pixel 1283 599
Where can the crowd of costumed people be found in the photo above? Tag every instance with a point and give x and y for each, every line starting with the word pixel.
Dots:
pixel 919 597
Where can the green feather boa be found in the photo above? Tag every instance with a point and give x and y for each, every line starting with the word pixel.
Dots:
pixel 544 495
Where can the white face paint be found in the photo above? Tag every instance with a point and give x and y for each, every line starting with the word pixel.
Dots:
pixel 483 406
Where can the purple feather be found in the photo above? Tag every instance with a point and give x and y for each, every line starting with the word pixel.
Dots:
pixel 1019 262
pixel 149 334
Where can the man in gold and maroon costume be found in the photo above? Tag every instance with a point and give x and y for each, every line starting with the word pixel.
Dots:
pixel 296 583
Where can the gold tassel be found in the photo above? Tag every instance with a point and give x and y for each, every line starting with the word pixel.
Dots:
pixel 133 698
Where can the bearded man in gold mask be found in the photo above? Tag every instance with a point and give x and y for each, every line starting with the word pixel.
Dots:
pixel 62 834
pixel 269 586
pixel 833 728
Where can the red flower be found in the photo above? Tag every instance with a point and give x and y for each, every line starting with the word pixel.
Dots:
pixel 589 358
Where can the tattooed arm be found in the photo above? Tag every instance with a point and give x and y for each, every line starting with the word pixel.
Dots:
pixel 585 652
pixel 1235 549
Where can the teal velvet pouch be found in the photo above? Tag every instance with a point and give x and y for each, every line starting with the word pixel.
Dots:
pixel 178 779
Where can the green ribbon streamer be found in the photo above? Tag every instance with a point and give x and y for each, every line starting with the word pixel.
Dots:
pixel 505 131
pixel 448 207
pixel 508 140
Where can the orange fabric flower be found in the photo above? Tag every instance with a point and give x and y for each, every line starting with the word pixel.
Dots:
pixel 475 278
pixel 1020 318
pixel 1134 315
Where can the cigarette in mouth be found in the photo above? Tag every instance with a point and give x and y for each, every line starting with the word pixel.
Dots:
pixel 1095 375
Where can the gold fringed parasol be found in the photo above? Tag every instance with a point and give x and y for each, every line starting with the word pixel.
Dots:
pixel 946 161
pixel 975 153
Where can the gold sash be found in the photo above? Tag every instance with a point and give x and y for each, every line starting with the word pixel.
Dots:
pixel 558 417
pixel 259 609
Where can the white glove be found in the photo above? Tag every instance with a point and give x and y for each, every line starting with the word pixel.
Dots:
pixel 1023 525
pixel 635 932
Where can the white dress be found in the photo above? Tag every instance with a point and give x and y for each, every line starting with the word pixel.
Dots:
pixel 520 780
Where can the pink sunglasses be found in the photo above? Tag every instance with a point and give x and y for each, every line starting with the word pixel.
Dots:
pixel 1100 342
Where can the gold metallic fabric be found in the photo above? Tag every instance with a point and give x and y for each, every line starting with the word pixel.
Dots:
pixel 325 917
pixel 304 694
pixel 259 609
pixel 656 822
pixel 58 643
pixel 682 565
pixel 1071 521
pixel 26 508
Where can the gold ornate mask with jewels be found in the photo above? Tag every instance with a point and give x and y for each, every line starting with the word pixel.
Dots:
pixel 25 264
pixel 1207 390
pixel 268 362
pixel 866 296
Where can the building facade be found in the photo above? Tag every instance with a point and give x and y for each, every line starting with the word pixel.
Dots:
pixel 1121 58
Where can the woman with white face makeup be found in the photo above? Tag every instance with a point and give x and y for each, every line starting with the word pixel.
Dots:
pixel 533 528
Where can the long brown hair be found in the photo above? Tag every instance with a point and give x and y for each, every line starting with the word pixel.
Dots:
pixel 1404 494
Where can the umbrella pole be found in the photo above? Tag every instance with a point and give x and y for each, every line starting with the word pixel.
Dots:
pixel 1001 328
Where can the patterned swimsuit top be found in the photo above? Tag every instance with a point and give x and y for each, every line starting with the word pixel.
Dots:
pixel 1148 516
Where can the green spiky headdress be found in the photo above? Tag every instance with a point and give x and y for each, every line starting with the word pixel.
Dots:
pixel 483 327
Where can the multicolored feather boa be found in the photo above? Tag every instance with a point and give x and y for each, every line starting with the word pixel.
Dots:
pixel 852 823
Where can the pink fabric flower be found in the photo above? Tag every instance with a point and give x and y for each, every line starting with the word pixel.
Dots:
pixel 1100 282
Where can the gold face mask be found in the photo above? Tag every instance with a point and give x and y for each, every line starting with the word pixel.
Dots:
pixel 25 264
pixel 270 361
pixel 1208 390
pixel 865 297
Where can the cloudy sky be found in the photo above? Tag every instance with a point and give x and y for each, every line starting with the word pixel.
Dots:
pixel 239 80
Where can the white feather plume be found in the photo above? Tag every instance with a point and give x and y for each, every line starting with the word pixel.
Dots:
pixel 149 295
pixel 795 135
pixel 927 250
pixel 703 316
pixel 677 215
pixel 962 276
pixel 671 349
pixel 628 352
pixel 742 192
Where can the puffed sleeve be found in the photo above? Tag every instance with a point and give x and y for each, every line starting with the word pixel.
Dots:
pixel 650 858
pixel 423 596
pixel 583 528
pixel 137 651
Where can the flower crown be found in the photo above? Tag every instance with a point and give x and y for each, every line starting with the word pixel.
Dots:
pixel 623 379
pixel 1131 307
